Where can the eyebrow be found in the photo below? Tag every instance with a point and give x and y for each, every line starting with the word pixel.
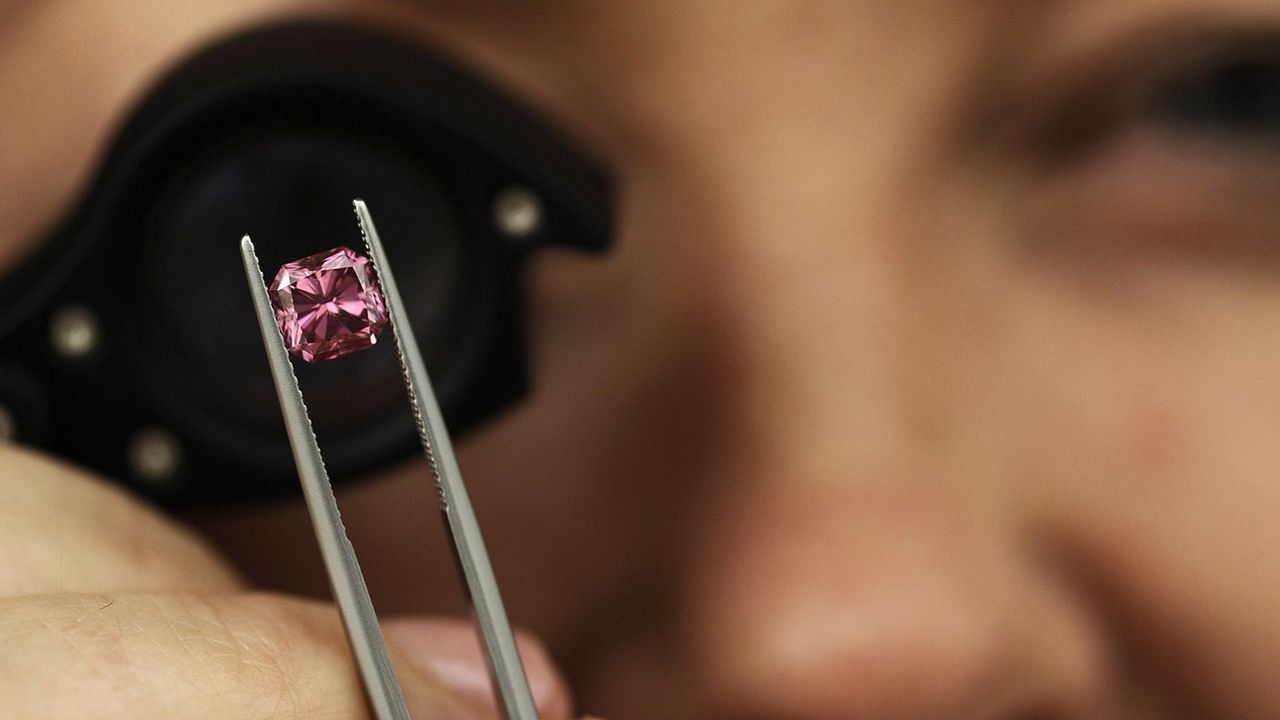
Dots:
pixel 1088 21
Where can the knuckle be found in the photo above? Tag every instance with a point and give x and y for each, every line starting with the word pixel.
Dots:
pixel 68 531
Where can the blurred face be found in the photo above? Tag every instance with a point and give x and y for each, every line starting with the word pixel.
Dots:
pixel 934 374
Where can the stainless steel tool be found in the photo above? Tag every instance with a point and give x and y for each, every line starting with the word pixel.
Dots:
pixel 386 700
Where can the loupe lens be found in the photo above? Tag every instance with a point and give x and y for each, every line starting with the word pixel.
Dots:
pixel 292 184
pixel 273 132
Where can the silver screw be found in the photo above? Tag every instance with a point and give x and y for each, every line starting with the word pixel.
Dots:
pixel 155 455
pixel 8 426
pixel 74 332
pixel 517 212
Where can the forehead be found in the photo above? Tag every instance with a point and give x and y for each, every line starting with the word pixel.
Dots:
pixel 598 64
pixel 836 15
pixel 641 34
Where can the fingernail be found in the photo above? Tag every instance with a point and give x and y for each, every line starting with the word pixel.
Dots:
pixel 450 651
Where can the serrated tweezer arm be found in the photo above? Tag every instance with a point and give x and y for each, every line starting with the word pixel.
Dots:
pixel 352 597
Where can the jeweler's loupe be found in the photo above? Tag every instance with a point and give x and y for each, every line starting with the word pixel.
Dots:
pixel 123 342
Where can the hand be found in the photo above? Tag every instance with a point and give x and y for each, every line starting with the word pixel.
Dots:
pixel 109 610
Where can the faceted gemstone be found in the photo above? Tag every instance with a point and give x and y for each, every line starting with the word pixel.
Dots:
pixel 328 305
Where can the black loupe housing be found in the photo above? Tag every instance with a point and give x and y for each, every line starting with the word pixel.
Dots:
pixel 128 342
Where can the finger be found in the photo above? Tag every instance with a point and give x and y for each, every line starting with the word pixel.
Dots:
pixel 450 651
pixel 62 530
pixel 187 656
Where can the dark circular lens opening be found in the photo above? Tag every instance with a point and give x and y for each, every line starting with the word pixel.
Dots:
pixel 288 181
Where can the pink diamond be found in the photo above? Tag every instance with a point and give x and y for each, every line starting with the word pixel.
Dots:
pixel 328 305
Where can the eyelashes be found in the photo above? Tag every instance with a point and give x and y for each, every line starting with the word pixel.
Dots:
pixel 1194 85
pixel 1232 95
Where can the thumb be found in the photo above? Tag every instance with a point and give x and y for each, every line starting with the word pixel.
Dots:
pixel 182 656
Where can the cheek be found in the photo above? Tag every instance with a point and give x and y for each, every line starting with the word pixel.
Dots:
pixel 1149 450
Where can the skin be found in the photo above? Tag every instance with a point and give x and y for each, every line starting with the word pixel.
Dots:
pixel 890 403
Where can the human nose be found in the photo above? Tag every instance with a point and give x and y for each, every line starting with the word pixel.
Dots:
pixel 848 568
pixel 885 604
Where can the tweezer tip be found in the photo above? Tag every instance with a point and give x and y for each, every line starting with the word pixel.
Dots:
pixel 365 223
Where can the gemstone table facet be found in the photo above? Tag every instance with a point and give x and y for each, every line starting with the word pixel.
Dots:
pixel 328 305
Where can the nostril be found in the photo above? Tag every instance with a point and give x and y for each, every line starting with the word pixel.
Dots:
pixel 1029 714
pixel 1037 714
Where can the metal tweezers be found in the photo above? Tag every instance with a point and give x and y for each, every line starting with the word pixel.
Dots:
pixel 386 700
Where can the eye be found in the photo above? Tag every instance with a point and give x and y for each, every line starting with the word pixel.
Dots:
pixel 1220 85
pixel 1225 97
pixel 1166 146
